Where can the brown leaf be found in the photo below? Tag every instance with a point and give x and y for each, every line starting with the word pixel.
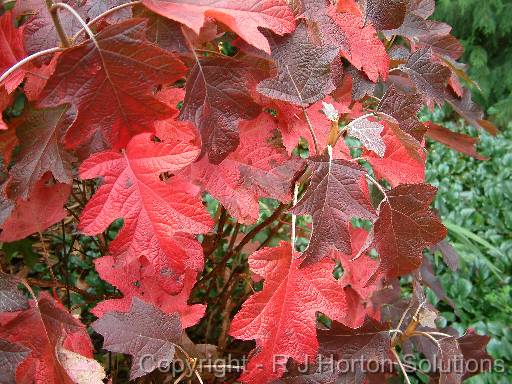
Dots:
pixel 457 141
pixel 404 107
pixel 362 347
pixel 384 14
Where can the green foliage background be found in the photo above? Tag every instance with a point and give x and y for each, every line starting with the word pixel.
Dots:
pixel 485 30
pixel 475 195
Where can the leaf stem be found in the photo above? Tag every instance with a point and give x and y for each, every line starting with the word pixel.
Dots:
pixel 311 130
pixel 377 184
pixel 75 14
pixel 294 216
pixel 27 59
pixel 58 25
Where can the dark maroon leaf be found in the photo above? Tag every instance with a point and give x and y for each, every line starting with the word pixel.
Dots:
pixel 405 227
pixel 384 14
pixel 40 133
pixel 362 347
pixel 470 111
pixel 473 347
pixel 303 69
pixel 429 77
pixel 404 107
pixel 333 198
pixel 141 331
pixel 217 99
pixel 443 45
pixel 450 256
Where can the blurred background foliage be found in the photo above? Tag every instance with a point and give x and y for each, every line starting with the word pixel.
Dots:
pixel 485 29
pixel 475 197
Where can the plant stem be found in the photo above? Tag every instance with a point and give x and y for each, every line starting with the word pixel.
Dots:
pixel 56 22
pixel 27 59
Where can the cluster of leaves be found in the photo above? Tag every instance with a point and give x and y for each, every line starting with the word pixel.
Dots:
pixel 148 111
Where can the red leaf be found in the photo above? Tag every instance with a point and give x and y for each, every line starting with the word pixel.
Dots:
pixel 5 100
pixel 404 228
pixel 28 216
pixel 138 278
pixel 335 195
pixel 398 165
pixel 11 298
pixel 11 51
pixel 154 211
pixel 256 169
pixel 217 100
pixel 12 355
pixel 141 332
pixel 95 82
pixel 293 126
pixel 282 317
pixel 303 69
pixel 243 18
pixel 365 50
pixel 40 133
pixel 458 141
pixel 358 42
pixel 41 329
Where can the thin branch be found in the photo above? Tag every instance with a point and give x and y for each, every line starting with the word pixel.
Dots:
pixel 294 217
pixel 47 259
pixel 75 14
pixel 402 368
pixel 248 237
pixel 27 59
pixel 88 296
pixel 58 25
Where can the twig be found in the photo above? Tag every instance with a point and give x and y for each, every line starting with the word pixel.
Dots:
pixel 85 294
pixel 402 368
pixel 294 217
pixel 58 25
pixel 75 14
pixel 248 237
pixel 47 258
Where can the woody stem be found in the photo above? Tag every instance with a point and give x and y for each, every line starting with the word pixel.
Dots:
pixel 58 25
